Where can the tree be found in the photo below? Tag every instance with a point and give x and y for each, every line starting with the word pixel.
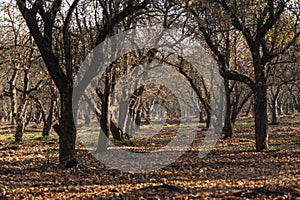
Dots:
pixel 267 17
pixel 228 48
pixel 255 21
pixel 21 57
pixel 282 82
pixel 46 103
pixel 41 18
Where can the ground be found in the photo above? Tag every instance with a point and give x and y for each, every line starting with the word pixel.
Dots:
pixel 232 170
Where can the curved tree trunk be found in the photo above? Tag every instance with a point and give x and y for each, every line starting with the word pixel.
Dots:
pixel 118 133
pixel 105 116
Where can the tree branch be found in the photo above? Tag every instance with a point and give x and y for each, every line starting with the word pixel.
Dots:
pixel 118 18
pixel 51 61
pixel 237 22
pixel 263 29
pixel 233 75
pixel 268 57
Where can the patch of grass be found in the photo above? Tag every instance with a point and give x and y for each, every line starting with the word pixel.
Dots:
pixel 243 148
pixel 272 149
pixel 38 136
pixel 280 146
pixel 124 143
pixel 7 137
pixel 49 154
pixel 174 125
pixel 292 147
pixel 133 142
pixel 247 123
pixel 43 138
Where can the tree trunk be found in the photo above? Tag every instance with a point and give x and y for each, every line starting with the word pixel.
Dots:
pixel 104 132
pixel 128 124
pixel 67 132
pixel 261 118
pixel 201 120
pixel 279 107
pixel 19 129
pixel 118 133
pixel 227 128
pixel 123 112
pixel 48 120
pixel 208 118
pixel 248 110
pixel 260 106
pixel 46 130
pixel 13 96
pixel 274 111
pixel 147 115
pixel 291 105
pixel 105 117
pixel 138 119
pixel 20 121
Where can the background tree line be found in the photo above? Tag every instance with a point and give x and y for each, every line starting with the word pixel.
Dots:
pixel 256 44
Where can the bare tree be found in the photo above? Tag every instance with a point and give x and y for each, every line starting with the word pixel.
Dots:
pixel 259 24
pixel 41 18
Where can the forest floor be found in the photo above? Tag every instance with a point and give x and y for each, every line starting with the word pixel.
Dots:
pixel 232 170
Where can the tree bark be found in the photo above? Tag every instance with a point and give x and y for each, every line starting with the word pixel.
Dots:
pixel 227 128
pixel 48 120
pixel 46 130
pixel 105 116
pixel 13 96
pixel 208 118
pixel 260 106
pixel 274 112
pixel 261 118
pixel 20 120
pixel 19 129
pixel 123 112
pixel 66 131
